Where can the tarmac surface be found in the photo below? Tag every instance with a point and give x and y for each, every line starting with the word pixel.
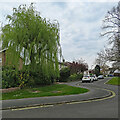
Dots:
pixel 95 92
pixel 100 102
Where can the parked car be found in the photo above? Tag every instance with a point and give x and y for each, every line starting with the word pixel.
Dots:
pixel 110 75
pixel 100 77
pixel 95 77
pixel 87 78
pixel 92 77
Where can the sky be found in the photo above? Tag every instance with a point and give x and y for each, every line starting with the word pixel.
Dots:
pixel 80 24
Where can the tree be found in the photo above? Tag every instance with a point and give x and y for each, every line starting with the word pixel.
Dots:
pixel 78 66
pixel 97 70
pixel 102 62
pixel 64 74
pixel 34 38
pixel 101 59
pixel 111 29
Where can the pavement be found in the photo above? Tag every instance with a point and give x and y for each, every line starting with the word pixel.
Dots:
pixel 95 92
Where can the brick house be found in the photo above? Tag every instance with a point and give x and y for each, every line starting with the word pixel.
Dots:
pixel 3 59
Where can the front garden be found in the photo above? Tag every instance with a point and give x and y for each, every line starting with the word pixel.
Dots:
pixel 36 84
pixel 51 90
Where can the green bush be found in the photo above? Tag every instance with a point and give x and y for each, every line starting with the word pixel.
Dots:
pixel 24 78
pixel 40 78
pixel 13 78
pixel 74 77
pixel 64 74
pixel 79 76
pixel 34 78
pixel 9 77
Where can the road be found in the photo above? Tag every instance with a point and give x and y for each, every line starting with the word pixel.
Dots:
pixel 104 108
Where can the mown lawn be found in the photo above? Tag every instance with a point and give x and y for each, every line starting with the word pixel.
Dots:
pixel 51 90
pixel 114 81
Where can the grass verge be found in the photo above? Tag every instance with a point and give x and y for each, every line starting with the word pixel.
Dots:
pixel 52 90
pixel 114 81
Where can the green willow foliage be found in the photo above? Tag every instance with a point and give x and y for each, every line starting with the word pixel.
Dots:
pixel 33 38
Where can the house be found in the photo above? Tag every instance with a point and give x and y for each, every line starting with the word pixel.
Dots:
pixel 117 73
pixel 62 65
pixel 86 72
pixel 3 59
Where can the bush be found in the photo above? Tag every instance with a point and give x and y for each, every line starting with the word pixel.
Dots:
pixel 40 78
pixel 24 78
pixel 13 78
pixel 32 78
pixel 64 74
pixel 9 77
pixel 74 77
pixel 79 76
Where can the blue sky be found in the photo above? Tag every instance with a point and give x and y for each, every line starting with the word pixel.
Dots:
pixel 80 25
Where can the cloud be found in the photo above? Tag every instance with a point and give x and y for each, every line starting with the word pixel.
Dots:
pixel 19 1
pixel 80 25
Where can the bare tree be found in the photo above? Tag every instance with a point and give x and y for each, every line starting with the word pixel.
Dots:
pixel 111 29
pixel 102 61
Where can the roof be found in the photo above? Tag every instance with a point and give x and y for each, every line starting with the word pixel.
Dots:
pixel 117 71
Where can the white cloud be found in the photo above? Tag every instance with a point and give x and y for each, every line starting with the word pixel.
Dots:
pixel 19 1
pixel 80 24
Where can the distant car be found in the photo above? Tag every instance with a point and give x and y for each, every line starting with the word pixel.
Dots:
pixel 92 77
pixel 87 78
pixel 95 77
pixel 100 77
pixel 110 75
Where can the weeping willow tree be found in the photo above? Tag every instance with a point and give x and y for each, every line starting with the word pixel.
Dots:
pixel 33 38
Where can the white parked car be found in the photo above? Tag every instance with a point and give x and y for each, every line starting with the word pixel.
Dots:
pixel 94 77
pixel 100 77
pixel 87 78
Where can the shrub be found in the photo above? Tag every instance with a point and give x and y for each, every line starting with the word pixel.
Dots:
pixel 9 77
pixel 13 78
pixel 32 78
pixel 24 78
pixel 64 74
pixel 79 76
pixel 74 77
pixel 40 78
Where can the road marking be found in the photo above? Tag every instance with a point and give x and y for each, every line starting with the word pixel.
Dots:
pixel 76 102
pixel 113 95
pixel 26 108
pixel 79 102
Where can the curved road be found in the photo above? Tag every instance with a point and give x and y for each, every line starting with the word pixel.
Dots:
pixel 104 108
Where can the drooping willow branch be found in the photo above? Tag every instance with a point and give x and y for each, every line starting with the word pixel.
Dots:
pixel 34 38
